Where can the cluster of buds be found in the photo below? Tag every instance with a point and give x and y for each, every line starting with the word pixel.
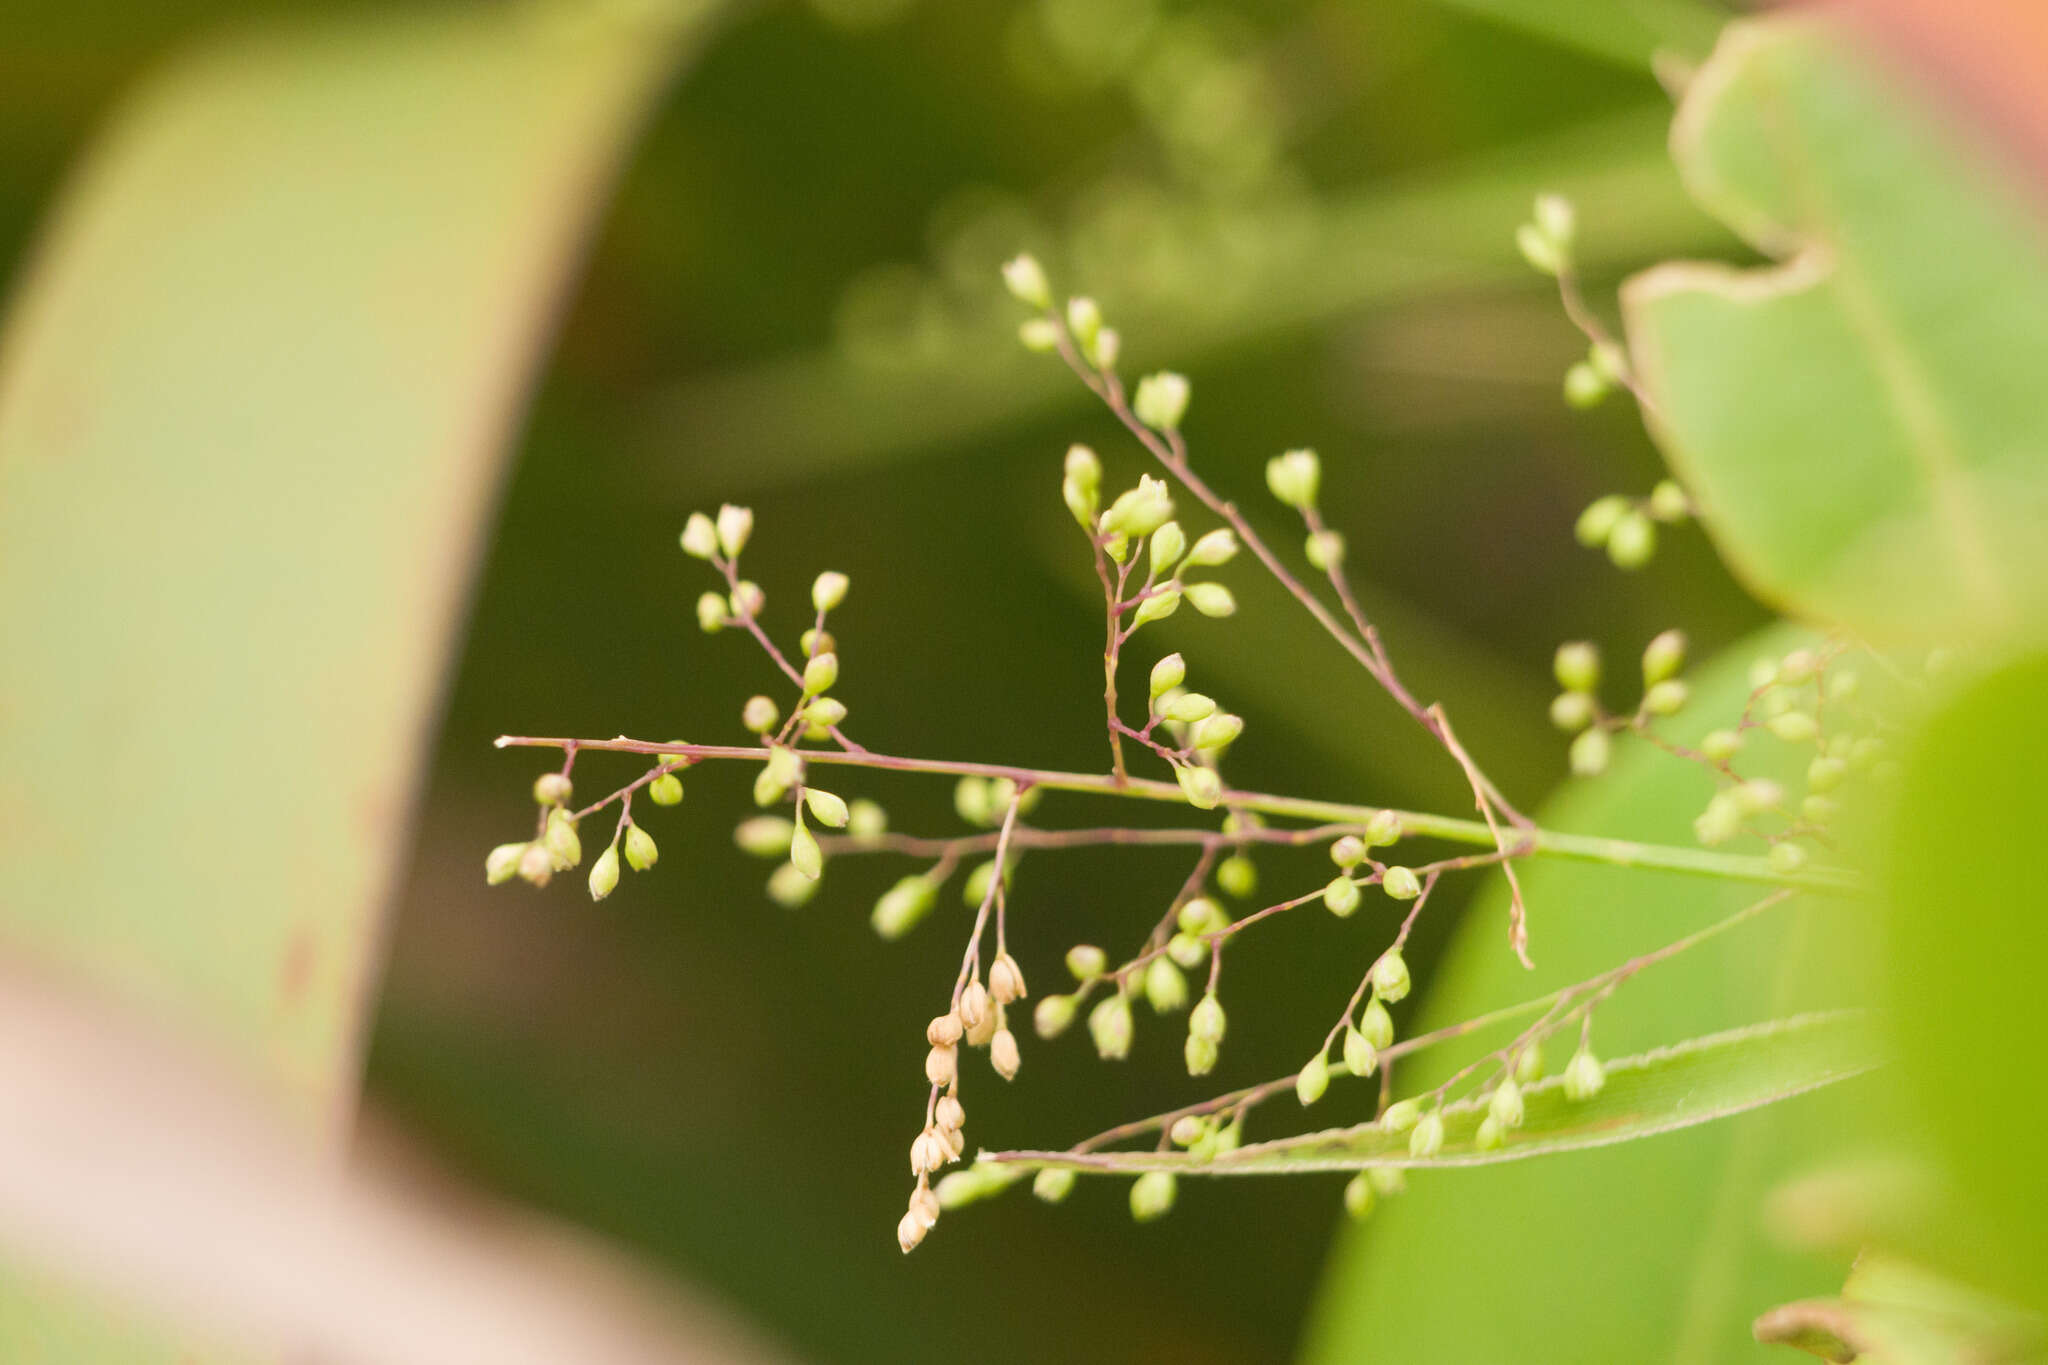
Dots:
pixel 1626 527
pixel 1199 730
pixel 977 1018
pixel 1577 710
pixel 558 844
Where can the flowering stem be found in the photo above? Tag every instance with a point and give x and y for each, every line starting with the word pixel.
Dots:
pixel 1531 842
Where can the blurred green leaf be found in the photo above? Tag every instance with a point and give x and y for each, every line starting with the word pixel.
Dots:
pixel 1627 35
pixel 1892 1312
pixel 253 402
pixel 1647 1250
pixel 1661 1091
pixel 1964 942
pixel 1861 424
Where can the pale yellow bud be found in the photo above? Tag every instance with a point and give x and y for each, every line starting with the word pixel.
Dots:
pixel 949 1114
pixel 1003 1054
pixel 943 1031
pixel 973 1004
pixel 909 1232
pixel 1006 980
pixel 941 1065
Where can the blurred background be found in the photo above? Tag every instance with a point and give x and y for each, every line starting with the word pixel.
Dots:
pixel 791 301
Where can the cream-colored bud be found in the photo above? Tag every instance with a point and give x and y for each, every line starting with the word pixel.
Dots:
pixel 983 1032
pixel 927 1153
pixel 949 1114
pixel 536 864
pixel 924 1206
pixel 734 526
pixel 1006 980
pixel 828 590
pixel 1003 1054
pixel 700 537
pixel 973 1004
pixel 944 1031
pixel 909 1232
pixel 941 1065
pixel 953 1142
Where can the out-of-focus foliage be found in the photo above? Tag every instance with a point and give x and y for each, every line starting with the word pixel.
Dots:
pixel 1651 1250
pixel 1861 423
pixel 253 399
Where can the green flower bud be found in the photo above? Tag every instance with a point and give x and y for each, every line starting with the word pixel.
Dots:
pixel 1402 884
pixel 1428 1138
pixel 700 537
pixel 1168 674
pixel 1211 599
pixel 1669 503
pixel 764 836
pixel 735 525
pixel 1584 1076
pixel 1086 961
pixel 1825 774
pixel 1583 386
pixel 710 613
pixel 1794 727
pixel 1758 795
pixel 1361 1058
pixel 1571 712
pixel 1864 753
pixel 1217 547
pixel 975 890
pixel 1632 542
pixel 828 590
pixel 1025 278
pixel 502 864
pixel 1720 821
pixel 1238 875
pixel 1390 976
pixel 1325 550
pixel 1313 1080
pixel 1375 1025
pixel 1168 544
pixel 552 789
pixel 1597 522
pixel 820 673
pixel 1348 852
pixel 1529 1064
pixel 1667 698
pixel 666 790
pixel 972 799
pixel 1589 753
pixel 1053 1014
pixel 1166 990
pixel 1538 250
pixel 1358 1196
pixel 1721 745
pixel 825 808
pixel 1577 666
pixel 1201 916
pixel 1187 1130
pixel 1202 787
pixel 1052 1184
pixel 1295 478
pixel 1200 1055
pixel 1401 1115
pixel 1207 1020
pixel 1663 657
pixel 1157 607
pixel 1799 666
pixel 1109 1024
pixel 1152 1195
pixel 1787 857
pixel 805 854
pixel 641 853
pixel 790 888
pixel 1084 319
pixel 1341 896
pixel 1218 731
pixel 1607 361
pixel 1117 547
pixel 1162 400
pixel 1491 1134
pixel 1189 707
pixel 1556 219
pixel 1082 502
pixel 1139 511
pixel 604 873
pixel 782 771
pixel 903 905
pixel 866 819
pixel 562 844
pixel 821 714
pixel 1505 1104
pixel 1039 335
pixel 1084 469
pixel 1382 829
pixel 760 714
pixel 1105 348
pixel 1819 810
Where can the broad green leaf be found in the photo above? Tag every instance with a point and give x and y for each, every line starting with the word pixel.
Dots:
pixel 1645 1250
pixel 1661 1091
pixel 1964 941
pixel 254 396
pixel 1892 1312
pixel 1861 422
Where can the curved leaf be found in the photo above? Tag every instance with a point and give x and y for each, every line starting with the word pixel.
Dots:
pixel 1861 424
